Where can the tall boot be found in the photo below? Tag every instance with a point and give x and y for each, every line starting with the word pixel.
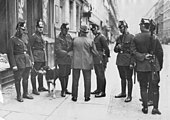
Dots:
pixel 41 87
pixel 144 97
pixel 104 85
pixel 123 88
pixel 66 84
pixel 25 90
pixel 130 85
pixel 63 86
pixel 33 82
pixel 155 103
pixel 40 81
pixel 18 91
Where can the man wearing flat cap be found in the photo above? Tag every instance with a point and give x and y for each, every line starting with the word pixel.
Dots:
pixel 38 45
pixel 62 60
pixel 83 49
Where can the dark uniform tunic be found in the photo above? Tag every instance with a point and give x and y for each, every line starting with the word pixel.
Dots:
pixel 18 55
pixel 102 48
pixel 142 45
pixel 38 47
pixel 100 64
pixel 124 54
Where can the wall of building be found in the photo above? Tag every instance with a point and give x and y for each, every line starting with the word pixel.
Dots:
pixel 159 17
pixel 100 14
pixel 166 21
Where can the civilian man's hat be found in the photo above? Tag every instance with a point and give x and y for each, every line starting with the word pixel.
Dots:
pixel 40 23
pixel 65 26
pixel 84 29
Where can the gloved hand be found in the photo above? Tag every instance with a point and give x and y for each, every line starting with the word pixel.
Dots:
pixel 148 56
pixel 15 68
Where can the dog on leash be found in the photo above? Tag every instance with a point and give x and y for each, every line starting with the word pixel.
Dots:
pixel 51 76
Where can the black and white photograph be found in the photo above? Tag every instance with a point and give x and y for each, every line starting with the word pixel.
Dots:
pixel 84 59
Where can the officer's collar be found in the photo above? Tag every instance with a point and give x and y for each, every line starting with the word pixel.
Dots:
pixel 97 34
pixel 38 33
pixel 62 35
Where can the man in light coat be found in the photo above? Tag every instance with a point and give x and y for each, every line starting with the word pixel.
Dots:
pixel 83 50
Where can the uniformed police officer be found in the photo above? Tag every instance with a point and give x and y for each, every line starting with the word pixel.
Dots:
pixel 62 44
pixel 100 64
pixel 39 53
pixel 19 59
pixel 124 60
pixel 142 51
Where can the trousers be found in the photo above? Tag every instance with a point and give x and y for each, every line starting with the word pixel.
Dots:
pixel 21 74
pixel 87 82
pixel 144 78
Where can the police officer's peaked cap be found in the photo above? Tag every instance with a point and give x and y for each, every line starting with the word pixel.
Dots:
pixel 94 27
pixel 21 25
pixel 144 21
pixel 40 23
pixel 122 24
pixel 64 26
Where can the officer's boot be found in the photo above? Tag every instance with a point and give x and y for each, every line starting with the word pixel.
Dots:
pixel 33 82
pixel 104 86
pixel 66 82
pixel 40 82
pixel 123 87
pixel 155 109
pixel 25 89
pixel 97 89
pixel 129 97
pixel 18 91
pixel 63 86
pixel 144 97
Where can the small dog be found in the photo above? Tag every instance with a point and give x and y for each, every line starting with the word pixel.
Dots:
pixel 51 76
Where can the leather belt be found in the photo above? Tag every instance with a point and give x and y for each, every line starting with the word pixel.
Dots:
pixel 124 52
pixel 20 53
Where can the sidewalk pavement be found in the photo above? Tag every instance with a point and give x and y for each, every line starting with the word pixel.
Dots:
pixel 44 107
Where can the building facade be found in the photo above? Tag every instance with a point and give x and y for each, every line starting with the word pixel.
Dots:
pixel 161 15
pixel 166 19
